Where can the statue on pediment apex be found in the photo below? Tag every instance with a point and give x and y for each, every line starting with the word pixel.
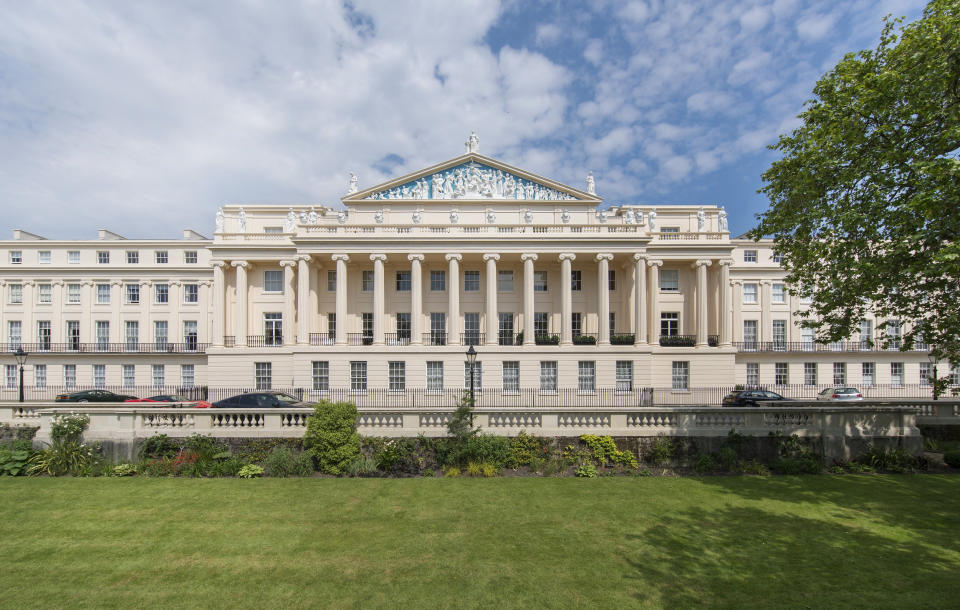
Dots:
pixel 242 222
pixel 312 217
pixel 591 185
pixel 701 220
pixel 629 217
pixel 472 144
pixel 723 220
pixel 219 220
pixel 653 219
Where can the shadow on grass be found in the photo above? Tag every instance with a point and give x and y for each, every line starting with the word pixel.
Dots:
pixel 753 557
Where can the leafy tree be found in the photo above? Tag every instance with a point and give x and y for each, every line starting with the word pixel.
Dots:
pixel 332 435
pixel 865 201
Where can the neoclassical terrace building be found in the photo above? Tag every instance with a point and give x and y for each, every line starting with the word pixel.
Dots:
pixel 551 287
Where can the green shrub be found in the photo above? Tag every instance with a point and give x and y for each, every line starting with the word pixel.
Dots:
pixel 661 450
pixel 361 466
pixel 14 461
pixel 332 435
pixel 205 447
pixel 250 471
pixel 474 470
pixel 794 456
pixel 603 451
pixel 303 465
pixel 587 471
pixel 890 460
pixel 159 446
pixel 525 449
pixel 952 458
pixel 280 463
pixel 476 448
pixel 68 428
pixel 255 451
pixel 704 463
pixel 124 470
pixel 64 458
pixel 754 467
pixel 452 472
pixel 460 426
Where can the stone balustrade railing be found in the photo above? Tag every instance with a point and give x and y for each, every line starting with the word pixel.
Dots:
pixel 887 421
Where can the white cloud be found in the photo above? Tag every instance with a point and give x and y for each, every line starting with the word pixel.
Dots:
pixel 815 26
pixel 593 52
pixel 710 102
pixel 548 34
pixel 677 168
pixel 636 11
pixel 755 19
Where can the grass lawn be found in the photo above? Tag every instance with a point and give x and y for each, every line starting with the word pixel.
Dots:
pixel 819 541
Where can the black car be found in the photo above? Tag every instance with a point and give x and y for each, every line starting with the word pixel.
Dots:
pixel 93 396
pixel 259 400
pixel 749 398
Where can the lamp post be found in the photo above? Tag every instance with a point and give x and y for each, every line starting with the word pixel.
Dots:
pixel 21 357
pixel 932 357
pixel 472 360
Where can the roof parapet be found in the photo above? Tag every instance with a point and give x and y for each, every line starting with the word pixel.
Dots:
pixel 193 235
pixel 21 234
pixel 105 234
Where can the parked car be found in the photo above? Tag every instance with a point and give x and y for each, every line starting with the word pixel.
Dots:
pixel 260 400
pixel 840 393
pixel 749 398
pixel 92 396
pixel 196 404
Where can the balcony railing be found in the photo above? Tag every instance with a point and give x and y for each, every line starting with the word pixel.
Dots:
pixel 435 337
pixel 546 339
pixel 73 347
pixel 810 346
pixel 359 339
pixel 322 338
pixel 401 338
pixel 471 337
pixel 686 340
pixel 585 338
pixel 264 340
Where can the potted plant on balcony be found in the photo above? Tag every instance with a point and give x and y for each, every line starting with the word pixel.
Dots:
pixel 622 339
pixel 584 340
pixel 676 341
pixel 547 339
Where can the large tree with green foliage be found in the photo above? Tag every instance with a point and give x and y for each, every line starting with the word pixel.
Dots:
pixel 865 201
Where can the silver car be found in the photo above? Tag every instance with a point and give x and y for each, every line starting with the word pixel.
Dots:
pixel 840 393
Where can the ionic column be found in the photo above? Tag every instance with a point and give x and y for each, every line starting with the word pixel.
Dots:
pixel 493 325
pixel 146 335
pixel 416 298
pixel 289 306
pixel 117 335
pixel 654 330
pixel 341 300
pixel 736 292
pixel 219 303
pixel 725 302
pixel 528 296
pixel 453 298
pixel 378 300
pixel 603 297
pixel 702 321
pixel 240 311
pixel 56 325
pixel 303 299
pixel 766 326
pixel 566 298
pixel 640 298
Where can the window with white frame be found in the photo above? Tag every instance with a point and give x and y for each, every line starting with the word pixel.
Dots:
pixel 158 376
pixel 73 257
pixel 954 375
pixel 505 280
pixel 132 293
pixel 131 334
pixel 160 336
pixel 806 299
pixel 438 281
pixel 73 335
pixel 438 328
pixel 358 375
pixel 403 281
pixel 403 328
pixel 749 293
pixel 896 373
pixel 190 257
pixel 161 294
pixel 612 321
pixel 624 375
pixel 781 373
pixel 44 294
pixel 839 373
pixel 505 330
pixel 477 375
pixel 869 372
pixel 11 376
pixel 273 328
pixel 44 336
pixel 807 336
pixel 69 376
pixel 187 372
pixel 397 375
pixel 576 280
pixel 539 281
pixel 586 376
pixel 273 280
pixel 779 328
pixel 129 376
pixel 779 293
pixel 191 335
pixel 102 328
pixel 321 376
pixel 103 294
pixel 103 257
pixel 576 323
pixel 366 326
pixel 681 375
pixel 191 293
pixel 669 323
pixel 133 257
pixel 332 280
pixel 893 334
pixel 16 294
pixel 925 373
pixel 809 373
pixel 471 327
pixel 753 374
pixel 777 258
pixel 99 376
pixel 161 257
pixel 511 376
pixel 14 333
pixel 16 257
pixel 548 375
pixel 40 376
pixel 43 257
pixel 749 256
pixel 73 293
pixel 669 280
pixel 263 375
pixel 866 334
pixel 331 325
pixel 471 281
pixel 611 279
pixel 541 324
pixel 366 280
pixel 434 376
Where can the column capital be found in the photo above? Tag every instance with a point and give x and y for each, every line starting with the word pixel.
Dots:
pixel 654 263
pixel 453 257
pixel 640 256
pixel 302 257
pixel 603 256
pixel 239 264
pixel 58 282
pixel 378 257
pixel 288 263
pixel 703 262
pixel 205 283
pixel 567 256
pixel 736 282
pixel 726 262
pixel 528 256
pixel 218 263
pixel 112 283
pixel 415 257
pixel 491 257
pixel 766 282
pixel 175 283
pixel 340 257
pixel 146 283
pixel 90 283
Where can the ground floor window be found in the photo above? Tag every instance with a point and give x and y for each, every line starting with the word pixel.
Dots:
pixel 186 375
pixel 263 375
pixel 869 373
pixel 781 373
pixel 40 376
pixel 159 376
pixel 587 376
pixel 434 376
pixel 99 375
pixel 753 374
pixel 681 375
pixel 129 376
pixel 839 373
pixel 321 376
pixel 358 376
pixel 896 373
pixel 511 376
pixel 69 376
pixel 397 375
pixel 11 376
pixel 548 376
pixel 809 373
pixel 624 376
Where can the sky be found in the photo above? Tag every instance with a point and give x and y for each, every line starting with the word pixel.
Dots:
pixel 144 117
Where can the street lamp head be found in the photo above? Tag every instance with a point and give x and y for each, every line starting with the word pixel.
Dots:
pixel 21 356
pixel 471 355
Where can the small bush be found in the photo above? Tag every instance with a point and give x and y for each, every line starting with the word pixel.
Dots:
pixel 794 456
pixel 661 450
pixel 332 436
pixel 603 452
pixel 952 458
pixel 361 466
pixel 14 460
pixel 205 447
pixel 68 428
pixel 159 446
pixel 64 458
pixel 588 471
pixel 892 460
pixel 473 469
pixel 704 463
pixel 124 470
pixel 452 472
pixel 250 471
pixel 303 465
pixel 280 463
pixel 525 449
pixel 754 467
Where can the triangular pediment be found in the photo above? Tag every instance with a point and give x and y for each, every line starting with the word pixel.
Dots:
pixel 471 177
